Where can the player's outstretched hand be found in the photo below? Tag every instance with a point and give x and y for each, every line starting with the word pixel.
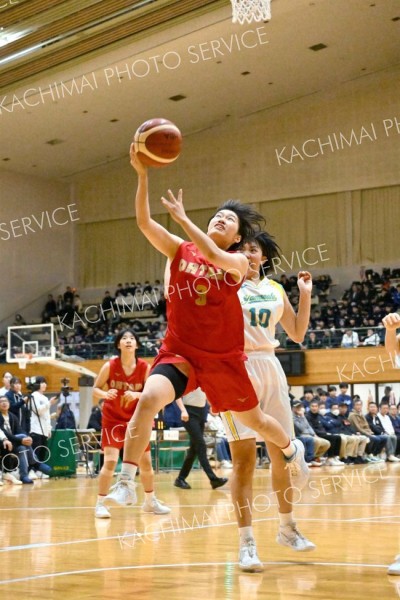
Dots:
pixel 174 206
pixel 304 281
pixel 139 167
pixel 391 321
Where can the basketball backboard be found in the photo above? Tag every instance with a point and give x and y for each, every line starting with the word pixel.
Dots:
pixel 35 340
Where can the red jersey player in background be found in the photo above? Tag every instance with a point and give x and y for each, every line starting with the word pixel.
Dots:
pixel 119 383
pixel 204 341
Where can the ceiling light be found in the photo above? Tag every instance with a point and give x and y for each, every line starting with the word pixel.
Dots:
pixel 55 142
pixel 317 47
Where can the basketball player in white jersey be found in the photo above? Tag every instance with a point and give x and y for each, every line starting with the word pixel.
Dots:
pixel 265 303
pixel 392 345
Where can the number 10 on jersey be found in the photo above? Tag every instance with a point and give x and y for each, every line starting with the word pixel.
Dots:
pixel 259 317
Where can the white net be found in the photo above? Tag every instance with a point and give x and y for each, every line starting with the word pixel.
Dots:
pixel 247 11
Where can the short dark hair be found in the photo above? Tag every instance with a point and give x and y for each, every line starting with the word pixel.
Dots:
pixel 342 404
pixel 15 380
pixel 332 388
pixel 343 385
pixel 41 379
pixel 314 401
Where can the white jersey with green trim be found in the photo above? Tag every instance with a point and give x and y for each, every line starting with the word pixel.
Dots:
pixel 262 304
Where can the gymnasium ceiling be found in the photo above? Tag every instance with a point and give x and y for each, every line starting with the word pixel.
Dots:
pixel 64 79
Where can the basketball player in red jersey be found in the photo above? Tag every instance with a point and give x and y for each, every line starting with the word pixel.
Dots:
pixel 119 383
pixel 204 342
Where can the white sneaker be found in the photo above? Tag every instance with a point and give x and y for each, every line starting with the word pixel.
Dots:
pixel 298 467
pixel 331 463
pixel 155 506
pixel 101 511
pixel 11 479
pixel 32 474
pixel 248 559
pixel 123 492
pixel 40 475
pixel 392 458
pixel 290 536
pixel 394 568
pixel 226 464
pixel 338 462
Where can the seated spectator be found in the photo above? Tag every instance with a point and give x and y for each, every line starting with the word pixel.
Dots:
pixel 315 418
pixel 332 397
pixel 19 320
pixel 360 423
pixel 77 304
pixel 344 397
pixel 60 304
pixel 372 338
pixel 6 383
pixel 395 418
pixel 350 339
pixel 9 460
pixel 120 290
pixel 19 404
pixel 348 429
pixel 388 429
pixel 307 398
pixel 376 425
pixel 312 342
pixel 305 432
pixel 333 424
pixel 21 444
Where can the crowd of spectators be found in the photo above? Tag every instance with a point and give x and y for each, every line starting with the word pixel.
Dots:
pixel 89 331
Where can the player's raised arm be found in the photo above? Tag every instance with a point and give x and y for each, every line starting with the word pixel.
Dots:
pixel 235 263
pixel 158 236
pixel 296 325
pixel 392 341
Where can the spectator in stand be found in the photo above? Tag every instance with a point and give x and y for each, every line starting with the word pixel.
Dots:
pixel 396 297
pixel 60 304
pixel 50 309
pixel 69 295
pixel 376 425
pixel 350 339
pixel 333 424
pixel 77 304
pixel 19 320
pixel 65 417
pixel 307 398
pixel 388 396
pixel 332 397
pixel 388 429
pixel 18 404
pixel 21 444
pixel 348 429
pixel 315 418
pixel 119 290
pixel 305 432
pixel 372 338
pixel 395 418
pixel 6 383
pixel 286 284
pixel 312 342
pixel 344 397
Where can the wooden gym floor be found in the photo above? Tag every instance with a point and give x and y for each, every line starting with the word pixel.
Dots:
pixel 52 547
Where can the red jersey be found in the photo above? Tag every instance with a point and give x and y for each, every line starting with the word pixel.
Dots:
pixel 205 319
pixel 118 410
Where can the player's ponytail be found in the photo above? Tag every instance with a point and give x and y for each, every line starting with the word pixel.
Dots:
pixel 269 248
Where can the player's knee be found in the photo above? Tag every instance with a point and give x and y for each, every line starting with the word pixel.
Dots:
pixel 243 468
pixel 110 465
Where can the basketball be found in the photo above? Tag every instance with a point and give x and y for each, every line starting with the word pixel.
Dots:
pixel 157 142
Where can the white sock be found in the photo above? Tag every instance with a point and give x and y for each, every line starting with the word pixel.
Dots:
pixel 128 471
pixel 285 519
pixel 100 498
pixel 245 533
pixel 149 496
pixel 289 450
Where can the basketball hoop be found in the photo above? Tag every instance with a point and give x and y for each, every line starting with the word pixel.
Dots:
pixel 250 10
pixel 22 359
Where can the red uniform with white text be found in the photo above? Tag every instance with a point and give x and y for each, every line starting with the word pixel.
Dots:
pixel 205 328
pixel 118 412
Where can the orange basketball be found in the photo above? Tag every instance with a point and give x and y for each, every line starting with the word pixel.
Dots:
pixel 157 142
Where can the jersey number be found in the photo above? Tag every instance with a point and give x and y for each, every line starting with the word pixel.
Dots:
pixel 201 291
pixel 260 317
